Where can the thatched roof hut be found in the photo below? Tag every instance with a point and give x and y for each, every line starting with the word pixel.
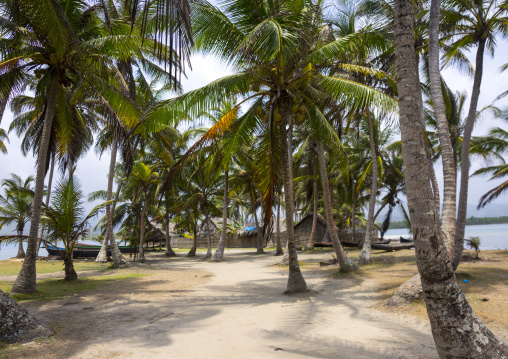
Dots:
pixel 213 225
pixel 304 226
pixel 250 230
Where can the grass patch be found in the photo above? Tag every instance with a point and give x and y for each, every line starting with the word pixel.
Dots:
pixel 49 289
pixel 12 267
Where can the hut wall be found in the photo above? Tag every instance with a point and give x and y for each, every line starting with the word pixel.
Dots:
pixel 347 236
pixel 304 229
pixel 232 241
pixel 235 241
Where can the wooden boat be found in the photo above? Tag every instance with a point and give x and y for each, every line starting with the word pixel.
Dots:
pixel 383 241
pixel 406 240
pixel 323 244
pixel 81 250
pixel 392 246
pixel 349 244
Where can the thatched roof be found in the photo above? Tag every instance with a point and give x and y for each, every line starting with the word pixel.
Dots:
pixel 159 227
pixel 213 223
pixel 308 217
pixel 252 229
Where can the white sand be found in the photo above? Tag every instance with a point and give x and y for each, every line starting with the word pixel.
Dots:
pixel 191 308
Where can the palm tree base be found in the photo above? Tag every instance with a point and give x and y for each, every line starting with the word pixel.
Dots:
pixel 296 283
pixel 348 266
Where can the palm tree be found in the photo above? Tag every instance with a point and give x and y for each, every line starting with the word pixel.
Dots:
pixel 53 43
pixel 16 206
pixel 275 72
pixel 66 221
pixel 474 243
pixel 143 178
pixel 447 307
pixel 364 257
pixel 448 220
pixel 346 264
pixel 3 137
pixel 497 141
pixel 468 24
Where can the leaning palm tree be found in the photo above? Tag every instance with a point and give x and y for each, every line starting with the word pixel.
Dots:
pixel 455 326
pixel 56 44
pixel 468 24
pixel 16 206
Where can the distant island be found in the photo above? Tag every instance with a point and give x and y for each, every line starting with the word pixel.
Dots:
pixel 471 221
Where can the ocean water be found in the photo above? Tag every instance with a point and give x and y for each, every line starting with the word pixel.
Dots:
pixel 10 250
pixel 492 236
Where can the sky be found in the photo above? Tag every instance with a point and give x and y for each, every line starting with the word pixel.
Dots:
pixel 92 170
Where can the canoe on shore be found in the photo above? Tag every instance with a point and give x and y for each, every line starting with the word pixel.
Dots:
pixel 88 251
pixel 406 240
pixel 349 244
pixel 392 246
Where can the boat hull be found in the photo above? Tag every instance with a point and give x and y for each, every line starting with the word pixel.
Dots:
pixel 89 251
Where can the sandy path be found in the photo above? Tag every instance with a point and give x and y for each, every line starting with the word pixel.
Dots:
pixel 194 309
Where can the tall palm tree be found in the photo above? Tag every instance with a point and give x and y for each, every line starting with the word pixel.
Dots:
pixel 455 327
pixel 55 43
pixel 364 257
pixel 448 220
pixel 143 178
pixel 16 206
pixel 468 24
pixel 273 47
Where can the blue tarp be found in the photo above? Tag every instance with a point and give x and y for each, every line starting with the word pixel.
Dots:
pixel 250 229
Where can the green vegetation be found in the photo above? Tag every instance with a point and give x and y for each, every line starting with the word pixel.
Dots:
pixel 12 267
pixel 49 289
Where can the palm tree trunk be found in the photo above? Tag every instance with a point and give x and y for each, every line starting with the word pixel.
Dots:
pixel 345 263
pixel 219 252
pixel 450 184
pixel 456 329
pixel 192 252
pixel 279 251
pixel 142 230
pixel 70 272
pixel 464 158
pixel 312 239
pixel 296 283
pixel 365 255
pixel 353 215
pixel 433 178
pixel 169 251
pixel 102 257
pixel 48 195
pixel 209 236
pixel 118 259
pixel 259 235
pixel 21 251
pixel 25 282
